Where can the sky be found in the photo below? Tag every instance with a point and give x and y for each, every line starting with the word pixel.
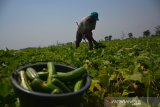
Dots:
pixel 41 23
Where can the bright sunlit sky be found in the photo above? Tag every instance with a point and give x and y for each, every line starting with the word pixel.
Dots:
pixel 34 23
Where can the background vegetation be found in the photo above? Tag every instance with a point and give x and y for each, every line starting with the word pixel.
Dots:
pixel 125 68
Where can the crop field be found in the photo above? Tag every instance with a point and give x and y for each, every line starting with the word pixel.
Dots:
pixel 125 68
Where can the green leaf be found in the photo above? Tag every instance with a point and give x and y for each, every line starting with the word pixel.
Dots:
pixel 137 76
pixel 126 92
pixel 95 84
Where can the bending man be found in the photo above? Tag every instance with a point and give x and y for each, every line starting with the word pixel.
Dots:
pixel 85 28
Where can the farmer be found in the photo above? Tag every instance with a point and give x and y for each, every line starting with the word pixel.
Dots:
pixel 85 28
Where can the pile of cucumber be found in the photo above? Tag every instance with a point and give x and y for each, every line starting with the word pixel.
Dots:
pixel 51 81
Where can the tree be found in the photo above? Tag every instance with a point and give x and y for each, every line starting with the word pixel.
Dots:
pixel 110 37
pixel 106 38
pixel 146 33
pixel 157 30
pixel 130 35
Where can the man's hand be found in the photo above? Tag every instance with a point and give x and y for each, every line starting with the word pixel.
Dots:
pixel 99 45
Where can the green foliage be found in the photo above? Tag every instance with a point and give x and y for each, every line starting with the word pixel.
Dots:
pixel 128 68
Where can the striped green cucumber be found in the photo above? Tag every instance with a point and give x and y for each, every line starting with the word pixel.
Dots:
pixel 51 71
pixel 41 86
pixel 37 84
pixel 48 88
pixel 78 85
pixel 61 85
pixel 74 74
pixel 43 75
pixel 56 91
pixel 31 73
pixel 23 80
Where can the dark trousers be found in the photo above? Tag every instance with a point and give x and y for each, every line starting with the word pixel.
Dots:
pixel 89 37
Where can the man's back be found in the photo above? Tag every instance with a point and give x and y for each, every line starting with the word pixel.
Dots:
pixel 87 23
